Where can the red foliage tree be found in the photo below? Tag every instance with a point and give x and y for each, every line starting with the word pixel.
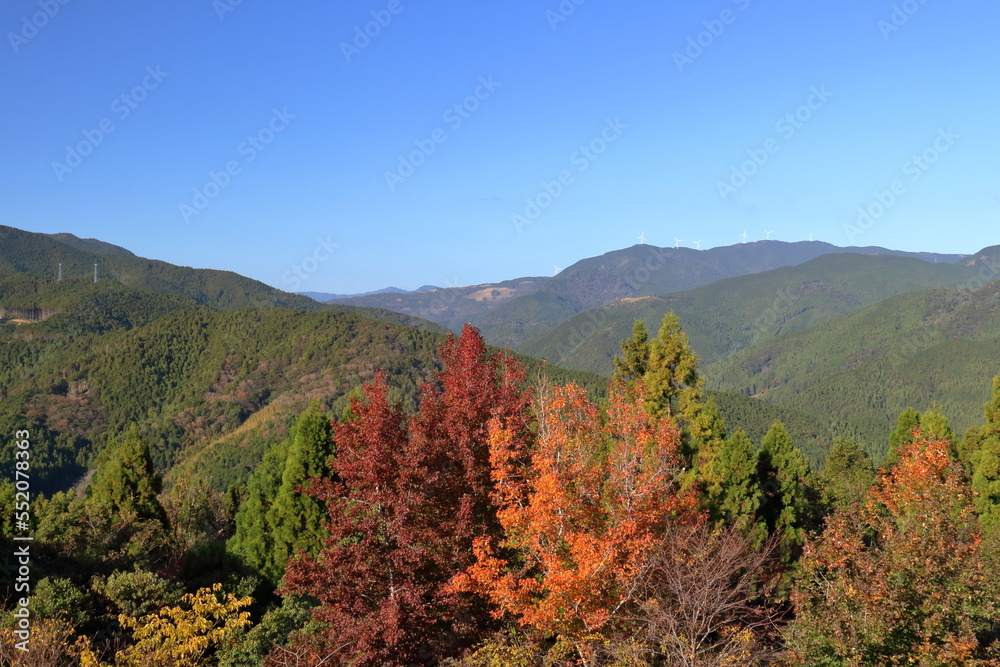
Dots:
pixel 411 495
pixel 582 509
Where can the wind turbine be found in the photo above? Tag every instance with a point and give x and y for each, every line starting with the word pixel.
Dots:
pixel 642 237
pixel 810 238
pixel 744 235
pixel 677 242
pixel 557 269
pixel 697 245
pixel 768 234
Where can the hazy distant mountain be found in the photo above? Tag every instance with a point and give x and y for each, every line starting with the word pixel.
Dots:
pixel 323 297
pixel 731 314
pixel 515 311
pixel 450 306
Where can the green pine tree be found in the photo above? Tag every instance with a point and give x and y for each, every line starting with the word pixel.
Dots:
pixel 982 446
pixel 297 517
pixel 908 420
pixel 783 475
pixel 738 499
pixel 126 484
pixel 634 362
pixel 848 475
pixel 253 541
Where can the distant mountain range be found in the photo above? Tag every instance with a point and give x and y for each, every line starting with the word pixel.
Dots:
pixel 515 311
pixel 323 297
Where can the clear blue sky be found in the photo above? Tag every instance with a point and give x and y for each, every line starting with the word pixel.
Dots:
pixel 200 80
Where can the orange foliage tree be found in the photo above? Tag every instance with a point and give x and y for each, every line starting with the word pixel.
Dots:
pixel 900 580
pixel 582 508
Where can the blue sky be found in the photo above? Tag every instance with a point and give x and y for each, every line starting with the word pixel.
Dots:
pixel 257 137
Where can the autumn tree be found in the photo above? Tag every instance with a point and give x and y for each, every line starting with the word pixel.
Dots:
pixel 581 509
pixel 899 580
pixel 410 496
pixel 180 636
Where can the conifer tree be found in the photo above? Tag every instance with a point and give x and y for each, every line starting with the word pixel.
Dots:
pixel 981 448
pixel 634 362
pixel 253 540
pixel 297 518
pixel 848 474
pixel 127 484
pixel 783 475
pixel 667 367
pixel 738 501
pixel 908 420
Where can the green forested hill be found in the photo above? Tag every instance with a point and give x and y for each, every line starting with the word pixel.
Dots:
pixel 729 315
pixel 26 254
pixel 936 348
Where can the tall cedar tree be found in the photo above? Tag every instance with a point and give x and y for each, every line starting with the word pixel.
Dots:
pixel 786 507
pixel 738 501
pixel 253 541
pixel 931 423
pixel 127 484
pixel 899 580
pixel 410 497
pixel 981 451
pixel 848 474
pixel 582 507
pixel 297 517
pixel 667 369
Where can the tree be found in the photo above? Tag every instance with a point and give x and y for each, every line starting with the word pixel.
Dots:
pixel 667 369
pixel 783 476
pixel 581 509
pixel 981 449
pixel 297 518
pixel 634 362
pixel 702 600
pixel 848 474
pixel 409 497
pixel 739 499
pixel 180 636
pixel 931 423
pixel 900 579
pixel 127 483
pixel 253 540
